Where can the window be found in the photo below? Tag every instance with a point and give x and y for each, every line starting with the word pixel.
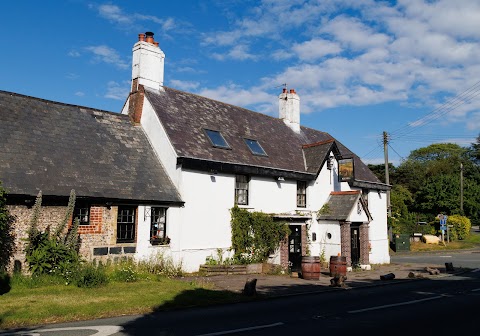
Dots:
pixel 241 189
pixel 301 194
pixel 217 139
pixel 255 147
pixel 82 212
pixel 158 224
pixel 126 224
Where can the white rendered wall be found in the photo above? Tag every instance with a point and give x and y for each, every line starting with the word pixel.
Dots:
pixel 378 231
pixel 160 142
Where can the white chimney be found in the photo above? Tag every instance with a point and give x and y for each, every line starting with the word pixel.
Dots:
pixel 289 109
pixel 148 63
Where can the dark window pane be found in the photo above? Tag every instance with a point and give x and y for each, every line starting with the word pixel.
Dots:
pixel 126 224
pixel 217 139
pixel 255 147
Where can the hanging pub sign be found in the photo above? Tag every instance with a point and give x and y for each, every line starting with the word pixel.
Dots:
pixel 345 170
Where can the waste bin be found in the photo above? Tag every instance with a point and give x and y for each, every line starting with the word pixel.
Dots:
pixel 401 242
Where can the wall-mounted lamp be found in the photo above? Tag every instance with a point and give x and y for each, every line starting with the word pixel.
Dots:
pixel 108 205
pixel 330 162
pixel 280 178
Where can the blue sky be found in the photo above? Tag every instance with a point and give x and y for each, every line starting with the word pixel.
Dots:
pixel 410 68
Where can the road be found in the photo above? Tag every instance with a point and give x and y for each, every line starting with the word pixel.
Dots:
pixel 442 306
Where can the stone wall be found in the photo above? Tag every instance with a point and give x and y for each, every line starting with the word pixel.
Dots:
pixel 97 240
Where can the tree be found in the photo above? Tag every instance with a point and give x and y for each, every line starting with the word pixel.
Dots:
pixel 432 175
pixel 6 232
pixel 476 150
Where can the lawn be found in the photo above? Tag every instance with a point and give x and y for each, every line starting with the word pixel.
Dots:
pixel 28 304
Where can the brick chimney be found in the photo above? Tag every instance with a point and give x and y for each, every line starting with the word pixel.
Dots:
pixel 147 70
pixel 289 109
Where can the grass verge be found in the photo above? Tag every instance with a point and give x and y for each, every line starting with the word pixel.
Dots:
pixel 28 304
pixel 471 241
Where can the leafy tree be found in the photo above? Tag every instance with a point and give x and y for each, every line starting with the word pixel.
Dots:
pixel 6 232
pixel 476 150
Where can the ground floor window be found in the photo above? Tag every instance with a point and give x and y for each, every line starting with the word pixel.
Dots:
pixel 82 213
pixel 158 226
pixel 126 224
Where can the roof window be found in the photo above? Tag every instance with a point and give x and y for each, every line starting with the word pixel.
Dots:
pixel 255 147
pixel 217 139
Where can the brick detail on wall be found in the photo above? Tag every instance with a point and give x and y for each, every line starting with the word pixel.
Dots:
pixel 364 245
pixel 284 253
pixel 96 220
pixel 304 240
pixel 346 242
pixel 135 106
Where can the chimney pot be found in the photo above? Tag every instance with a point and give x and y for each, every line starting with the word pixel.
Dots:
pixel 284 90
pixel 141 37
pixel 149 37
pixel 155 43
pixel 292 90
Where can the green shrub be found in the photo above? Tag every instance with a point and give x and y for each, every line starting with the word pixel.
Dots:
pixel 461 227
pixel 57 253
pixel 91 276
pixel 255 235
pixel 6 232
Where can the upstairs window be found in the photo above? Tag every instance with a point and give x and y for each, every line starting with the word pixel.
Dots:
pixel 301 194
pixel 216 139
pixel 241 189
pixel 126 224
pixel 82 212
pixel 255 147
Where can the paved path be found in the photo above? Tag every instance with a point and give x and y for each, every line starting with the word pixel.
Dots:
pixel 280 285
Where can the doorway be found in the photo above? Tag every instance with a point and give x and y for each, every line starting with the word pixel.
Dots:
pixel 295 248
pixel 355 245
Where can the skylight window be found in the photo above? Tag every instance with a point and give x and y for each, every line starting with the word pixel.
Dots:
pixel 255 147
pixel 217 139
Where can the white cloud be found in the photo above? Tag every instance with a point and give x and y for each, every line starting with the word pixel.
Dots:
pixel 80 94
pixel 114 14
pixel 105 54
pixel 315 49
pixel 184 85
pixel 118 91
pixel 239 52
pixel 237 96
pixel 74 53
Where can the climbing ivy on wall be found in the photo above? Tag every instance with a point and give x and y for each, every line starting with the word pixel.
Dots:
pixel 255 235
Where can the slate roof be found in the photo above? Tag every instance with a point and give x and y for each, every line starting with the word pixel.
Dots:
pixel 339 206
pixel 56 147
pixel 186 115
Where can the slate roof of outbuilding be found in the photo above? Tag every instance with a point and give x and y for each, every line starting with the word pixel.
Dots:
pixel 339 206
pixel 186 115
pixel 56 147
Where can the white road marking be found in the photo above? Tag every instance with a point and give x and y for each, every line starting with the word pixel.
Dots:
pixel 100 330
pixel 394 305
pixel 445 256
pixel 243 329
pixel 476 290
pixel 476 270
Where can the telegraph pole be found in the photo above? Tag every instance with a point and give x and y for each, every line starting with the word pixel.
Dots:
pixel 387 177
pixel 461 187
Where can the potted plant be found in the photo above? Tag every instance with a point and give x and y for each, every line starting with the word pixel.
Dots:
pixel 154 240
